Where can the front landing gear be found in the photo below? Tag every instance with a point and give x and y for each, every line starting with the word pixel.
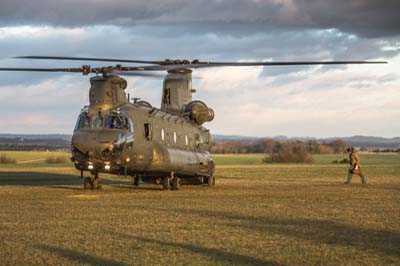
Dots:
pixel 93 182
pixel 87 184
pixel 96 183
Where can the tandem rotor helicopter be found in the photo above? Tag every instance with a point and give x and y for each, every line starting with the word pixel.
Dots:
pixel 166 145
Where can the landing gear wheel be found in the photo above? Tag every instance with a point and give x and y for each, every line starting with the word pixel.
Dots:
pixel 166 182
pixel 96 184
pixel 211 181
pixel 87 184
pixel 158 180
pixel 136 181
pixel 176 183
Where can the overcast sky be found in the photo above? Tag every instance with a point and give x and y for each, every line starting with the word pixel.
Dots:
pixel 253 101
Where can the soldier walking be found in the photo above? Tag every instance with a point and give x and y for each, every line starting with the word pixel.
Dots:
pixel 354 160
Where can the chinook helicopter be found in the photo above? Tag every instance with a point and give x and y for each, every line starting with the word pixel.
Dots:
pixel 167 145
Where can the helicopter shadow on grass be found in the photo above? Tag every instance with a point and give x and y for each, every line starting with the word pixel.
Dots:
pixel 129 186
pixel 229 177
pixel 51 180
pixel 77 257
pixel 222 256
pixel 318 231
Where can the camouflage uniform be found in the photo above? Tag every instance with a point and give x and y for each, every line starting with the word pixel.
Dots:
pixel 354 163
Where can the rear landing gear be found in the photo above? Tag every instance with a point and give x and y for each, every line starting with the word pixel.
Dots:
pixel 211 181
pixel 176 183
pixel 166 182
pixel 136 180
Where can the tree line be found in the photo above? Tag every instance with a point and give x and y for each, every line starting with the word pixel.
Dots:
pixel 270 146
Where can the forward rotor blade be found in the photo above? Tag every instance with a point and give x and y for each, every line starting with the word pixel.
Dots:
pixel 178 66
pixel 241 64
pixel 75 70
pixel 88 59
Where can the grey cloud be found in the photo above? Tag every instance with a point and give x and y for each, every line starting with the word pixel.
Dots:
pixel 159 42
pixel 370 18
pixel 62 98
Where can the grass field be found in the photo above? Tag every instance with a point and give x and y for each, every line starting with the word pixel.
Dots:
pixel 258 214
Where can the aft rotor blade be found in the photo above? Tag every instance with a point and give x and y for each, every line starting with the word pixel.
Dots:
pixel 168 64
pixel 138 74
pixel 89 59
pixel 75 70
pixel 289 63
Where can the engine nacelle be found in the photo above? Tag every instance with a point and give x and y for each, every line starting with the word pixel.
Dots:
pixel 199 112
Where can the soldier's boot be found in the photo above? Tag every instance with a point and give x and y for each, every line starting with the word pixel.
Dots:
pixel 363 178
pixel 349 177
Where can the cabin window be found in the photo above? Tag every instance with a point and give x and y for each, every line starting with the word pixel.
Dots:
pixel 162 134
pixel 148 131
pixel 198 140
pixel 175 137
pixel 186 140
pixel 208 140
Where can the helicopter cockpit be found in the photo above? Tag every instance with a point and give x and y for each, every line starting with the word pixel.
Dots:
pixel 112 121
pixel 102 136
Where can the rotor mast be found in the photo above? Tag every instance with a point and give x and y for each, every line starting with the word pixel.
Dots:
pixel 177 91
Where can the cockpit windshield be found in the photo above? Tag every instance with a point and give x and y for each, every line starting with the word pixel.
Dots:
pixel 98 121
pixel 83 121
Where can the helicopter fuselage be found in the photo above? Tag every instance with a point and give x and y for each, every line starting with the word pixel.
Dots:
pixel 148 142
pixel 115 136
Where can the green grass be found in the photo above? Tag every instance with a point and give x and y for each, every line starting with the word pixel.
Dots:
pixel 258 214
pixel 34 159
pixel 230 159
pixel 38 159
pixel 252 159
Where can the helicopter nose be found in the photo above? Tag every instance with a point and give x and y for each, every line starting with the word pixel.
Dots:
pixel 89 145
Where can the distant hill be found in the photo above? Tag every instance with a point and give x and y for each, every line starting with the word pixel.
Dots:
pixel 233 137
pixel 37 136
pixel 18 142
pixel 62 141
pixel 370 142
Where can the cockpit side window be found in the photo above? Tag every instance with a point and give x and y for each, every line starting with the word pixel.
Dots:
pixel 83 121
pixel 117 122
